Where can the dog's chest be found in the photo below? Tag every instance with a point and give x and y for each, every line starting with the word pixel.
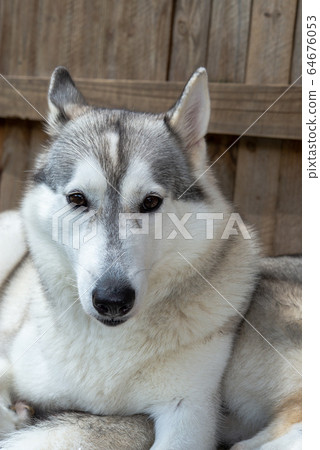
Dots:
pixel 101 380
pixel 81 372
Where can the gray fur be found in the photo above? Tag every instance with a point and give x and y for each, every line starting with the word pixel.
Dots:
pixel 275 310
pixel 149 136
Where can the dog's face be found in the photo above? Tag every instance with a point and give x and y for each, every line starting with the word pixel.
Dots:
pixel 110 191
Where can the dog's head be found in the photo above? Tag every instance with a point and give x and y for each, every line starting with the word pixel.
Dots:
pixel 115 199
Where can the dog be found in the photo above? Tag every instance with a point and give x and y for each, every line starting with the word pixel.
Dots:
pixel 132 293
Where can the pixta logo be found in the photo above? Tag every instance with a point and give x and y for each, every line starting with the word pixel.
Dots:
pixel 74 225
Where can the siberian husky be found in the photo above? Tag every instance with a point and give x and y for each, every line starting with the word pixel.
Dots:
pixel 132 305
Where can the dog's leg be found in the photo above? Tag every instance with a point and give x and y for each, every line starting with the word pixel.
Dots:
pixel 74 431
pixel 291 440
pixel 12 417
pixel 13 246
pixel 185 426
pixel 264 441
pixel 279 430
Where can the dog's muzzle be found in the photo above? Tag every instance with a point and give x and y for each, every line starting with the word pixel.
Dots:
pixel 113 304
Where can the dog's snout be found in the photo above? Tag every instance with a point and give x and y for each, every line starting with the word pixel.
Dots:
pixel 115 303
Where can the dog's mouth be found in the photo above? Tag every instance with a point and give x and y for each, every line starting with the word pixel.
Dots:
pixel 111 322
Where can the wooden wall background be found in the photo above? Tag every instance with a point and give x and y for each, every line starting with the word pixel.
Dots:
pixel 137 54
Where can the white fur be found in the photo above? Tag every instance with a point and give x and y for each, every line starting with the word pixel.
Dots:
pixel 88 177
pixel 113 140
pixel 138 182
pixel 291 440
pixel 13 246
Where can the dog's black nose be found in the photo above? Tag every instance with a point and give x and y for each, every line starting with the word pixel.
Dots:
pixel 115 303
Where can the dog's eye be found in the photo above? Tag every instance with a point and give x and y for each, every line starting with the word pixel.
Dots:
pixel 150 203
pixel 77 198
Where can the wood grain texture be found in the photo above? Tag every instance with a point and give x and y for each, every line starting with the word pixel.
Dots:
pixel 228 40
pixel 3 134
pixel 296 63
pixel 288 225
pixel 269 61
pixel 270 44
pixel 14 163
pixel 224 165
pixel 256 186
pixel 234 107
pixel 190 38
pixel 96 39
pixel 38 140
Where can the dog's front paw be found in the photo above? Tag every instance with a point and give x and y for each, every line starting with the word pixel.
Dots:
pixel 9 420
pixel 23 411
pixel 14 417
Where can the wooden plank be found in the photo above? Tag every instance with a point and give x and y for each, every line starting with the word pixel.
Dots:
pixel 3 134
pixel 224 167
pixel 234 107
pixel 17 37
pixel 226 62
pixel 38 139
pixel 269 61
pixel 228 40
pixel 188 51
pixel 270 45
pixel 97 39
pixel 296 64
pixel 257 186
pixel 288 226
pixel 20 142
pixel 190 36
pixel 14 163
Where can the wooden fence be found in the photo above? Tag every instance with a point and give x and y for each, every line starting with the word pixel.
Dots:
pixel 137 54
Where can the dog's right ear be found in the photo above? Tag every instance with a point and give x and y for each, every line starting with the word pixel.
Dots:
pixel 189 117
pixel 65 100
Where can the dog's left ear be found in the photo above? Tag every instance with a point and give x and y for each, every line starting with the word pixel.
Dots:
pixel 190 116
pixel 65 100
